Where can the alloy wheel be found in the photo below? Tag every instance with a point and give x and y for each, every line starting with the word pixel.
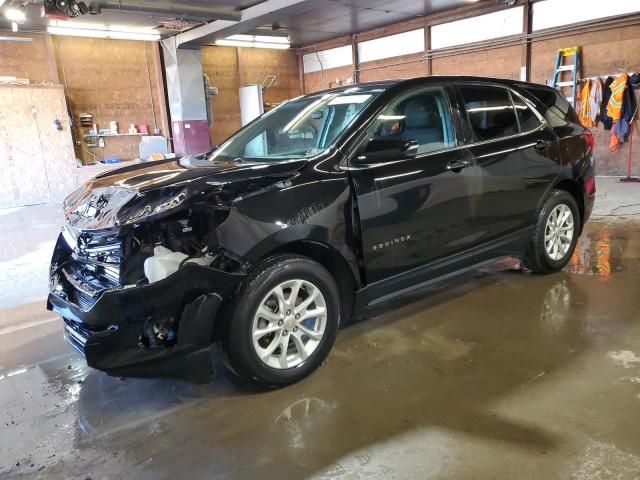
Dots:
pixel 289 324
pixel 559 231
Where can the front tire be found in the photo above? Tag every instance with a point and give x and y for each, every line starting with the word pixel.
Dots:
pixel 284 322
pixel 555 235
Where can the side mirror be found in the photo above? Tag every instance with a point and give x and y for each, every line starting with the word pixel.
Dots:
pixel 386 149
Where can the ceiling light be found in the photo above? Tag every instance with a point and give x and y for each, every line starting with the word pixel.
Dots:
pixel 255 41
pixel 91 31
pixel 15 15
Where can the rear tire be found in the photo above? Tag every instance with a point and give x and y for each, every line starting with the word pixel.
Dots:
pixel 556 234
pixel 283 323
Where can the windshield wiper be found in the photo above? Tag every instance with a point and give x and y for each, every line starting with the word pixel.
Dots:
pixel 191 161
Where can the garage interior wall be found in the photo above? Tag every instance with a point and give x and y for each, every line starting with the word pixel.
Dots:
pixel 112 80
pixel 229 68
pixel 36 157
pixel 31 58
pixel 607 51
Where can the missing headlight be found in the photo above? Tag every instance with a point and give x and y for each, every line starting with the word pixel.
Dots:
pixel 154 250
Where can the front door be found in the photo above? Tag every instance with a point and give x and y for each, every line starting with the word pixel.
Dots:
pixel 414 211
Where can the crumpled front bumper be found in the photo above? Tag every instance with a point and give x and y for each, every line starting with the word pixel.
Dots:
pixel 108 332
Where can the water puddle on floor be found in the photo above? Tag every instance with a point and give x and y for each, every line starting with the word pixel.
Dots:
pixel 600 255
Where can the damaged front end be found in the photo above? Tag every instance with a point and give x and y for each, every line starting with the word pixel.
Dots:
pixel 141 298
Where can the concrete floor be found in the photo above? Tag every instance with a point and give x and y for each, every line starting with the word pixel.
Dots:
pixel 495 375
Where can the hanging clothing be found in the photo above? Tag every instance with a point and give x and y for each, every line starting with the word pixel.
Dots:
pixel 614 141
pixel 621 126
pixel 595 98
pixel 584 109
pixel 618 87
pixel 606 120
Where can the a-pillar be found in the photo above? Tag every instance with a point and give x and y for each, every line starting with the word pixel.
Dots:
pixel 187 104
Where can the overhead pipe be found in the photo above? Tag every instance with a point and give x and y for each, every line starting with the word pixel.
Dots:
pixel 187 12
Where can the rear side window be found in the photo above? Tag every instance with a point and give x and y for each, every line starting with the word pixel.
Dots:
pixel 490 111
pixel 527 119
pixel 553 106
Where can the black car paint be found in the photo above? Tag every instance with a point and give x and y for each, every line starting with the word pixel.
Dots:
pixel 384 228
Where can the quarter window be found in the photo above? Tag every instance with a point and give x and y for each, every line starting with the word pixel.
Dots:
pixel 421 115
pixel 526 117
pixel 555 108
pixel 490 112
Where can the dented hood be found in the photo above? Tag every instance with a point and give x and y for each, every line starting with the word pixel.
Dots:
pixel 135 193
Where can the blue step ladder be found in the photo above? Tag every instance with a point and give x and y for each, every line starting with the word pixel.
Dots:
pixel 572 68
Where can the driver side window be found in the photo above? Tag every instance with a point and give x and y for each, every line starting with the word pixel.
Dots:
pixel 422 115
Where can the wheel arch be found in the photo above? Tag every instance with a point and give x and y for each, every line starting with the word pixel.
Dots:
pixel 333 261
pixel 575 188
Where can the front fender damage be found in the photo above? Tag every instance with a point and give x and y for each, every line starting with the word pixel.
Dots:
pixel 142 268
pixel 120 354
pixel 117 334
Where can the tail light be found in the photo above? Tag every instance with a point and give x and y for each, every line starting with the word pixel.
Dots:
pixel 590 186
pixel 590 138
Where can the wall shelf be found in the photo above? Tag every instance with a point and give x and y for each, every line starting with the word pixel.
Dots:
pixel 93 135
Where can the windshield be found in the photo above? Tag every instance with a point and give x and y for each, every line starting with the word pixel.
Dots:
pixel 300 128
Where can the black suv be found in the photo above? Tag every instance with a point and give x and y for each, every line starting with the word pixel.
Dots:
pixel 325 205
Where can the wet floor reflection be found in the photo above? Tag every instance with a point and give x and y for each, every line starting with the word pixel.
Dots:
pixel 599 254
pixel 486 364
pixel 556 307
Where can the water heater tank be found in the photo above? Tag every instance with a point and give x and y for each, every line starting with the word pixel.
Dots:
pixel 251 105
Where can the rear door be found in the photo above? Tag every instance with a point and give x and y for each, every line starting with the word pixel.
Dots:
pixel 561 117
pixel 414 211
pixel 516 158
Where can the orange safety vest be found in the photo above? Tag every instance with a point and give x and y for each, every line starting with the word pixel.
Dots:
pixel 584 112
pixel 614 107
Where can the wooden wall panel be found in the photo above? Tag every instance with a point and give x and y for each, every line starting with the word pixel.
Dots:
pixel 332 77
pixel 256 63
pixel 501 62
pixel 405 66
pixel 220 64
pixel 607 52
pixel 604 52
pixel 615 163
pixel 36 159
pixel 27 59
pixel 110 80
pixel 229 68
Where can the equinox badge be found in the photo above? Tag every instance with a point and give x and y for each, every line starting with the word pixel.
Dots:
pixel 391 243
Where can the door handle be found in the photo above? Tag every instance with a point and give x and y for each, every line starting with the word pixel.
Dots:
pixel 542 144
pixel 457 165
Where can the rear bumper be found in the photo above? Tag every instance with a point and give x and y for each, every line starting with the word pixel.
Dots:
pixel 589 195
pixel 589 201
pixel 108 333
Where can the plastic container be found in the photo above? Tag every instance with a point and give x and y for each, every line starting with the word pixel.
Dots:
pixel 110 160
pixel 163 263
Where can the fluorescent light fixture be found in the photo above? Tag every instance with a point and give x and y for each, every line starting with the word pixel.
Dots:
pixel 16 39
pixel 89 31
pixel 255 41
pixel 15 15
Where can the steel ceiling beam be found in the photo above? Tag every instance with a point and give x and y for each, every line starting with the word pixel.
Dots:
pixel 250 18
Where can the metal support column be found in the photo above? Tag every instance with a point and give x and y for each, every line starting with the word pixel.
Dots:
pixel 187 103
pixel 525 58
